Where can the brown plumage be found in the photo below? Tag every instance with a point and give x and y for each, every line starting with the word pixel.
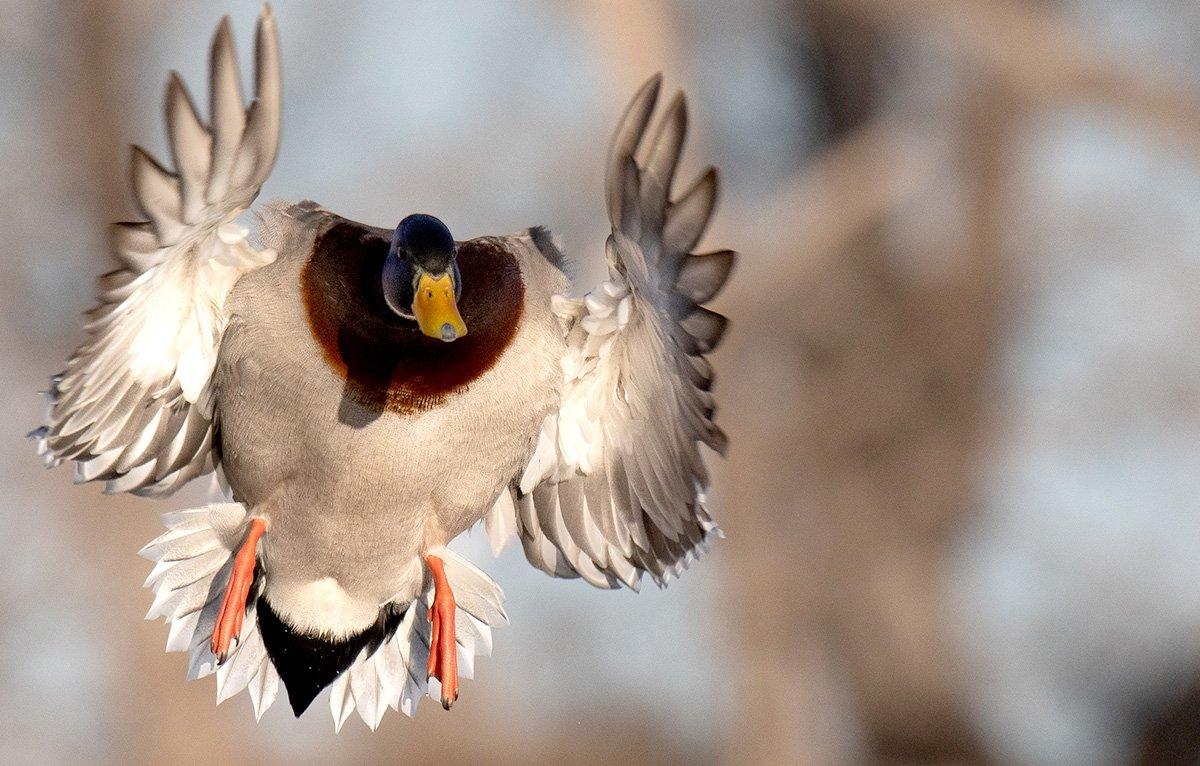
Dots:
pixel 388 365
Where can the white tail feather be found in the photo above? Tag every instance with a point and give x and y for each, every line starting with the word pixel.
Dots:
pixel 192 563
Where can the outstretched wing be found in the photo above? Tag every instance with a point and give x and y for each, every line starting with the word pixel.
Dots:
pixel 616 486
pixel 134 406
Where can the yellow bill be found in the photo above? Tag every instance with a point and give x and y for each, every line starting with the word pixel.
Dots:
pixel 436 310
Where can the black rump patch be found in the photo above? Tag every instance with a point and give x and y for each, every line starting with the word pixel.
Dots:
pixel 307 664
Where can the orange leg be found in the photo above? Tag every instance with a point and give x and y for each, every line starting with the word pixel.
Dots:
pixel 233 606
pixel 443 648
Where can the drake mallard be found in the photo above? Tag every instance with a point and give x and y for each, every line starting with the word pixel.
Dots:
pixel 364 395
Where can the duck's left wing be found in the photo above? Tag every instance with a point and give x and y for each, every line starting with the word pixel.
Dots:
pixel 617 483
pixel 133 408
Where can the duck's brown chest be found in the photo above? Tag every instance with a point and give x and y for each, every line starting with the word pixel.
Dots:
pixel 386 363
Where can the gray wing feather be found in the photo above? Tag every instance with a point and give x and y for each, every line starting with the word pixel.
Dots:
pixel 617 483
pixel 134 407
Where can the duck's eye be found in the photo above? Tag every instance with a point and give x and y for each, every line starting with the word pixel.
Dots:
pixel 429 293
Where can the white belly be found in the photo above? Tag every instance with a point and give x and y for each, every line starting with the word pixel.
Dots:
pixel 353 502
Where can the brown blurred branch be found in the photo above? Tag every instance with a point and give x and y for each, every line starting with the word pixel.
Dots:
pixel 1037 55
pixel 873 469
pixel 849 186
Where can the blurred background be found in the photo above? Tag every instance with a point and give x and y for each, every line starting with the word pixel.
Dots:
pixel 962 380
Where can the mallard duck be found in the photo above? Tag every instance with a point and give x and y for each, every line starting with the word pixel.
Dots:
pixel 364 395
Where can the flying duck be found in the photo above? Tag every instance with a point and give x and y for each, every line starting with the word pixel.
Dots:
pixel 364 395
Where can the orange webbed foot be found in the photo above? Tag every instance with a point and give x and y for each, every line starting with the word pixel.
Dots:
pixel 443 645
pixel 233 606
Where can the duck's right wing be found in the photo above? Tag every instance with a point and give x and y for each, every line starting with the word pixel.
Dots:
pixel 134 406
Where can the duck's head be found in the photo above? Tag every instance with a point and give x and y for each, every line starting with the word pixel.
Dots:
pixel 421 280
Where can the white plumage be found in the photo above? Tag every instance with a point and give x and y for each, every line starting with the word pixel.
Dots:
pixel 580 434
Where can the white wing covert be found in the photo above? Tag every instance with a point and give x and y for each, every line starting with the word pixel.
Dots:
pixel 134 406
pixel 616 485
